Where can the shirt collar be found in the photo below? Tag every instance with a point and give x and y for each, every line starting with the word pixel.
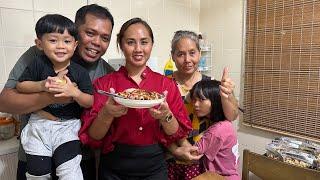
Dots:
pixel 144 74
pixel 78 59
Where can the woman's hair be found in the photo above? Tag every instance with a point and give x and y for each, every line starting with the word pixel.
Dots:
pixel 209 89
pixel 178 35
pixel 52 23
pixel 127 24
pixel 95 10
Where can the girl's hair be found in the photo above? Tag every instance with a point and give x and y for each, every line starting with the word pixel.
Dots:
pixel 127 24
pixel 209 89
pixel 178 35
pixel 51 23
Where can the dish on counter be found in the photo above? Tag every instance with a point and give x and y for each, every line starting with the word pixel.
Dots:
pixel 7 126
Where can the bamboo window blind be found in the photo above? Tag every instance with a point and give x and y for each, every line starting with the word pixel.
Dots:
pixel 282 66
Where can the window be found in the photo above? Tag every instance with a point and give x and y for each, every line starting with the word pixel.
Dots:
pixel 282 67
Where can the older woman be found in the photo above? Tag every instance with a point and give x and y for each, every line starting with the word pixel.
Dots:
pixel 185 52
pixel 132 139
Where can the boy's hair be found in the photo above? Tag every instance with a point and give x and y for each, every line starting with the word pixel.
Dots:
pixel 95 10
pixel 209 89
pixel 52 23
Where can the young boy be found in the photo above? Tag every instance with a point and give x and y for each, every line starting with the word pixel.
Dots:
pixel 51 135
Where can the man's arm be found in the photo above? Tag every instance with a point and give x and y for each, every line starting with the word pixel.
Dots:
pixel 30 86
pixel 17 103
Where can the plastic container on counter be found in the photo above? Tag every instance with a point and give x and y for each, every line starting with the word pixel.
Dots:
pixel 295 151
pixel 7 126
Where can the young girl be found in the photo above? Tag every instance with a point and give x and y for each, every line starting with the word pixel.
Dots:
pixel 219 144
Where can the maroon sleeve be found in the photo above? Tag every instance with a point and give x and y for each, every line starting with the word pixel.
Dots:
pixel 179 111
pixel 90 114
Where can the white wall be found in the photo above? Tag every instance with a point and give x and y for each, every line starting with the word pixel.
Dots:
pixel 222 23
pixel 18 18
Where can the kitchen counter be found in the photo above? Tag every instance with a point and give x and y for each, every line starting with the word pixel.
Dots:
pixel 9 146
pixel 9 158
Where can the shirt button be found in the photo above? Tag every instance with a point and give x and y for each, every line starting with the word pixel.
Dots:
pixel 140 128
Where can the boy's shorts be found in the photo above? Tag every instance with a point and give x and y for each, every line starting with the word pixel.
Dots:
pixel 42 137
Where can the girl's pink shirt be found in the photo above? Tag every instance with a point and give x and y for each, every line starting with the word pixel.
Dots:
pixel 219 145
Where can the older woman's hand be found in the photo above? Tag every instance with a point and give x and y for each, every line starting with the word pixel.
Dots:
pixel 227 85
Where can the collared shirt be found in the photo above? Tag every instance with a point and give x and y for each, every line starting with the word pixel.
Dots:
pixel 137 127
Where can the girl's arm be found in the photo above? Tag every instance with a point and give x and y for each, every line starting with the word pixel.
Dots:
pixel 210 144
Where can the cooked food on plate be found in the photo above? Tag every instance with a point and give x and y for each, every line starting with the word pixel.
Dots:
pixel 140 94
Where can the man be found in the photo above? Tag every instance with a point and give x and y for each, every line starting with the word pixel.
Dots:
pixel 94 24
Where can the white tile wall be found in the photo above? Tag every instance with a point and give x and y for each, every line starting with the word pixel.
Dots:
pixel 18 18
pixel 140 8
pixel 16 4
pixel 17 27
pixel 1 30
pixel 104 3
pixel 121 12
pixel 3 73
pixel 12 54
pixel 71 7
pixel 46 6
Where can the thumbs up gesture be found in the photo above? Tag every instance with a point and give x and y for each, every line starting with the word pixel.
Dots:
pixel 227 85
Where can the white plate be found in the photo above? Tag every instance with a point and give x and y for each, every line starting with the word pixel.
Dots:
pixel 131 103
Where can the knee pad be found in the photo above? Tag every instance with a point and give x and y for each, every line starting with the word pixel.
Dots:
pixel 43 177
pixel 66 151
pixel 39 165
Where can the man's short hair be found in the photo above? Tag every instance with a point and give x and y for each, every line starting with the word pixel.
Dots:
pixel 95 10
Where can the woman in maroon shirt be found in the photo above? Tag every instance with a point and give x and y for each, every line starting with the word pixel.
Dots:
pixel 132 140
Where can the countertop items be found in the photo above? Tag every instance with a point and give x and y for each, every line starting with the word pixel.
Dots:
pixel 9 158
pixel 295 151
pixel 9 146
pixel 268 168
pixel 7 126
